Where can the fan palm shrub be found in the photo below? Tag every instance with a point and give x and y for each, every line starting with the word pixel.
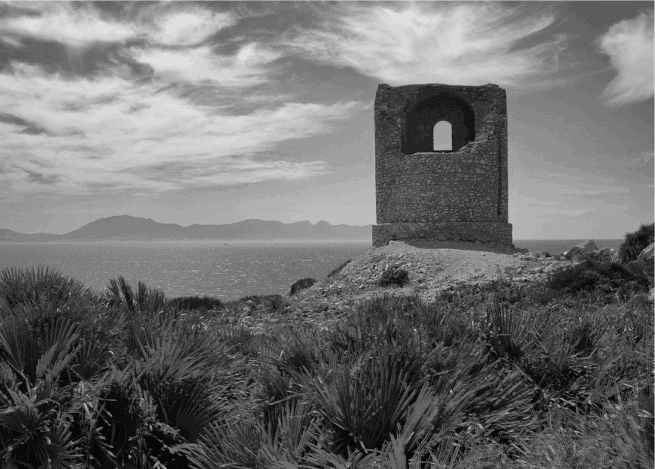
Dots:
pixel 39 297
pixel 362 403
pixel 182 383
pixel 233 444
pixel 385 323
pixel 282 364
pixel 501 402
pixel 42 285
pixel 129 432
pixel 289 440
pixel 154 410
pixel 35 416
pixel 506 331
pixel 120 295
pixel 35 431
pixel 122 414
pixel 37 345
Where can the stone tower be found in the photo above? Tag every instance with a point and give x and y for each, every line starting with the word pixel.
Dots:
pixel 441 164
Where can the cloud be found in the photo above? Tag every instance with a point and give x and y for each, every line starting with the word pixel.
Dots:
pixel 186 124
pixel 232 171
pixel 169 38
pixel 60 22
pixel 187 27
pixel 83 25
pixel 109 133
pixel 247 67
pixel 416 42
pixel 629 45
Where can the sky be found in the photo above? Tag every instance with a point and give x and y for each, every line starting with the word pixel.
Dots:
pixel 217 112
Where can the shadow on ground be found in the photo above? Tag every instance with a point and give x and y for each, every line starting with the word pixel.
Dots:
pixel 467 246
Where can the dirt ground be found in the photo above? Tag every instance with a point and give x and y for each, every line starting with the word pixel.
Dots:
pixel 431 270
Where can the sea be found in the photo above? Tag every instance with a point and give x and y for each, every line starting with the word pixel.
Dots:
pixel 222 269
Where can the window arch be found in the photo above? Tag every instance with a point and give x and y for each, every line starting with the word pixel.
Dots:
pixel 442 136
pixel 420 119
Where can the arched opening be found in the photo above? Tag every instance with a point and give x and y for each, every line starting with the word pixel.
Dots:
pixel 442 136
pixel 420 128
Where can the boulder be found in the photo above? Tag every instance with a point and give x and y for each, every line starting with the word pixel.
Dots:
pixel 573 253
pixel 301 285
pixel 602 255
pixel 580 251
pixel 588 246
pixel 646 254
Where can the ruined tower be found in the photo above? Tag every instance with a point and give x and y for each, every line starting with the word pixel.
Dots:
pixel 441 164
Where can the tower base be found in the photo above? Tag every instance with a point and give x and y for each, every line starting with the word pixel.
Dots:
pixel 495 234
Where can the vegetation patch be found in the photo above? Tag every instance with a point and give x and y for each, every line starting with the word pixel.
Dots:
pixel 394 276
pixel 604 276
pixel 195 302
pixel 636 242
pixel 545 374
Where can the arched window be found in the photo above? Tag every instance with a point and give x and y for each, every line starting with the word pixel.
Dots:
pixel 420 134
pixel 442 136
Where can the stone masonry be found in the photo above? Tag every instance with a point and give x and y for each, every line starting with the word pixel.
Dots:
pixel 449 196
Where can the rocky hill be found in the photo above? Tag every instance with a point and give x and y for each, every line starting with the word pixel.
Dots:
pixel 429 271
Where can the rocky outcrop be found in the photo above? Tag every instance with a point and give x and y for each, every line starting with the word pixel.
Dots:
pixel 604 255
pixel 588 250
pixel 301 285
pixel 580 251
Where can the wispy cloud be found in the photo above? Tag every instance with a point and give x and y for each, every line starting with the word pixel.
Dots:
pixel 417 42
pixel 120 128
pixel 247 67
pixel 79 26
pixel 108 133
pixel 170 25
pixel 629 45
pixel 171 39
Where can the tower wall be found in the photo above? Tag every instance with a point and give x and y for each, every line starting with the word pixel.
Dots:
pixel 423 194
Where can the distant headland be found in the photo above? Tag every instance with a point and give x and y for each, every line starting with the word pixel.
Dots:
pixel 129 228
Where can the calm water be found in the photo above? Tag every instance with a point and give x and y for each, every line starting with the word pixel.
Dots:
pixel 216 268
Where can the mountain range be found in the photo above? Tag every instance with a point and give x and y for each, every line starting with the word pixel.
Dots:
pixel 125 227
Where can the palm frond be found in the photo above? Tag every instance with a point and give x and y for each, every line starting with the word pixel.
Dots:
pixel 41 285
pixel 35 348
pixel 363 406
pixel 36 432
